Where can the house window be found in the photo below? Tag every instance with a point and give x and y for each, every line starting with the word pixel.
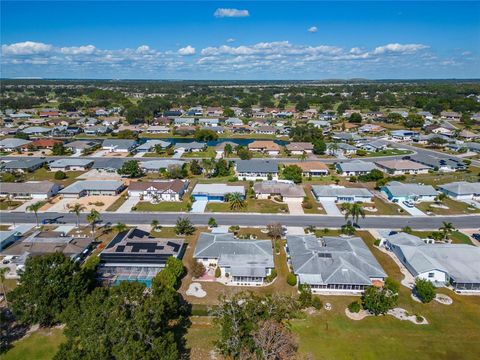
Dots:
pixel 431 275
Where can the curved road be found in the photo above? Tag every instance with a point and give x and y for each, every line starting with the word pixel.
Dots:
pixel 374 222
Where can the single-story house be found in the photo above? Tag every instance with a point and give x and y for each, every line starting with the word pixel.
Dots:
pixel 108 164
pixel 341 194
pixel 256 169
pixel 13 144
pixel 333 264
pixel 70 164
pixel 403 135
pixel 355 167
pixel 193 146
pixel 154 166
pixel 241 262
pixel 150 145
pixel 135 255
pixel 299 148
pixel 184 121
pixel 93 187
pixel 370 128
pixel 158 129
pixel 233 122
pixel 457 265
pixel 399 192
pixel 29 190
pixel 401 167
pixel 320 124
pixel 341 149
pixel 439 163
pixel 155 191
pixel 220 148
pixel 24 165
pixel 215 192
pixel 8 237
pixel 373 146
pixel 80 145
pixel 450 115
pixel 45 143
pixel 36 130
pixel 461 190
pixel 96 130
pixel 265 146
pixel 118 145
pixel 265 130
pixel 312 168
pixel 286 189
pixel 208 122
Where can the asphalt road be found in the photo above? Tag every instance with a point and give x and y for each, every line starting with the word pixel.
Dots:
pixel 373 222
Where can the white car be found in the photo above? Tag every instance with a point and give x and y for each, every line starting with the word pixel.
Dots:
pixel 408 203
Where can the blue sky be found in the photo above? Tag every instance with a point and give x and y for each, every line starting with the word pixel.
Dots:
pixel 240 40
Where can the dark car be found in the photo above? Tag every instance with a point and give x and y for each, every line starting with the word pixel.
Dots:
pixel 476 236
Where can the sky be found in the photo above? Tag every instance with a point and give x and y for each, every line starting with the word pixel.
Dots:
pixel 248 40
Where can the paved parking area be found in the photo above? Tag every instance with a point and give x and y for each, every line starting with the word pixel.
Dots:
pixel 331 208
pixel 199 206
pixel 411 210
pixel 295 206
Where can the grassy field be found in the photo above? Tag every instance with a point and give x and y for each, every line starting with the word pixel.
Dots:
pixel 252 206
pixel 162 206
pixel 207 154
pixel 454 208
pixel 316 206
pixel 44 174
pixel 389 152
pixel 457 237
pixel 40 345
pixel 116 205
pixel 164 232
pixel 443 178
pixel 8 205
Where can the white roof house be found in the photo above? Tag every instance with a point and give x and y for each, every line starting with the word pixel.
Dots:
pixel 355 167
pixel 461 190
pixel 341 194
pixel 212 192
pixel 397 191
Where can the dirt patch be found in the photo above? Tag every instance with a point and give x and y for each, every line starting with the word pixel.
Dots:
pixel 96 202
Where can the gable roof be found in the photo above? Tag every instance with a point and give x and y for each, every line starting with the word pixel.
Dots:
pixel 92 185
pixel 356 165
pixel 334 190
pixel 162 186
pixel 254 166
pixel 397 188
pixel 461 187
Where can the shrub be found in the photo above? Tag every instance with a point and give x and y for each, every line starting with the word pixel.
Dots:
pixel 305 297
pixel 291 279
pixel 419 318
pixel 425 290
pixel 354 307
pixel 212 222
pixel 218 272
pixel 307 205
pixel 198 269
pixel 272 276
pixel 377 242
pixel 317 303
pixel 60 175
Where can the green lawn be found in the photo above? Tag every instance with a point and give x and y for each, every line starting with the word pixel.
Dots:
pixel 44 174
pixel 388 152
pixel 457 237
pixel 454 208
pixel 5 205
pixel 116 205
pixel 316 206
pixel 438 178
pixel 40 345
pixel 207 154
pixel 164 232
pixel 162 206
pixel 253 206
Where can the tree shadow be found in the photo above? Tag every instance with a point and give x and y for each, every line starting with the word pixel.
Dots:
pixel 10 330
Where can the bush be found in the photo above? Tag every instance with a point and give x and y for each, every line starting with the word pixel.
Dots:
pixel 291 279
pixel 317 303
pixel 424 290
pixel 377 242
pixel 307 205
pixel 60 175
pixel 218 272
pixel 272 276
pixel 419 318
pixel 354 307
pixel 198 269
pixel 212 222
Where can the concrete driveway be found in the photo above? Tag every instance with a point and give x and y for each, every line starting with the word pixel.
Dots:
pixel 23 207
pixel 295 206
pixel 199 206
pixel 100 153
pixel 331 208
pixel 178 154
pixel 61 205
pixel 126 207
pixel 411 210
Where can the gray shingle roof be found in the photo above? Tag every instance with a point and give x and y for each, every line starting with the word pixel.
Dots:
pixel 400 189
pixel 29 187
pixel 356 165
pixel 217 189
pixel 461 188
pixel 159 164
pixel 281 188
pixel 98 185
pixel 13 143
pixel 332 260
pixel 260 166
pixel 60 163
pixel 332 190
pixel 150 144
pixel 119 143
pixel 24 163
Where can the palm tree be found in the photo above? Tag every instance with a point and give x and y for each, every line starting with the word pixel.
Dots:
pixel 154 224
pixel 303 157
pixel 332 148
pixel 236 201
pixel 92 219
pixel 355 211
pixel 440 197
pixel 446 228
pixel 34 208
pixel 3 271
pixel 77 209
pixel 120 227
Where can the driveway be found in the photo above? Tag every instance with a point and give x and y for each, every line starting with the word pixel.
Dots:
pixel 77 153
pixel 411 210
pixel 178 154
pixel 331 208
pixel 100 153
pixel 61 205
pixel 295 206
pixel 199 206
pixel 126 207
pixel 23 207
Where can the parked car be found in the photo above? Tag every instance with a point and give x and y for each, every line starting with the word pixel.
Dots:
pixel 476 236
pixel 408 203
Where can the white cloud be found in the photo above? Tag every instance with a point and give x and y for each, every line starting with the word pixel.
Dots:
pixel 313 29
pixel 143 49
pixel 187 50
pixel 76 50
pixel 221 12
pixel 399 48
pixel 230 40
pixel 26 48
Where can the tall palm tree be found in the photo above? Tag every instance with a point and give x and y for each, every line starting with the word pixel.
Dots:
pixel 3 271
pixel 332 148
pixel 446 228
pixel 34 208
pixel 77 209
pixel 236 201
pixel 355 211
pixel 120 227
pixel 92 219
